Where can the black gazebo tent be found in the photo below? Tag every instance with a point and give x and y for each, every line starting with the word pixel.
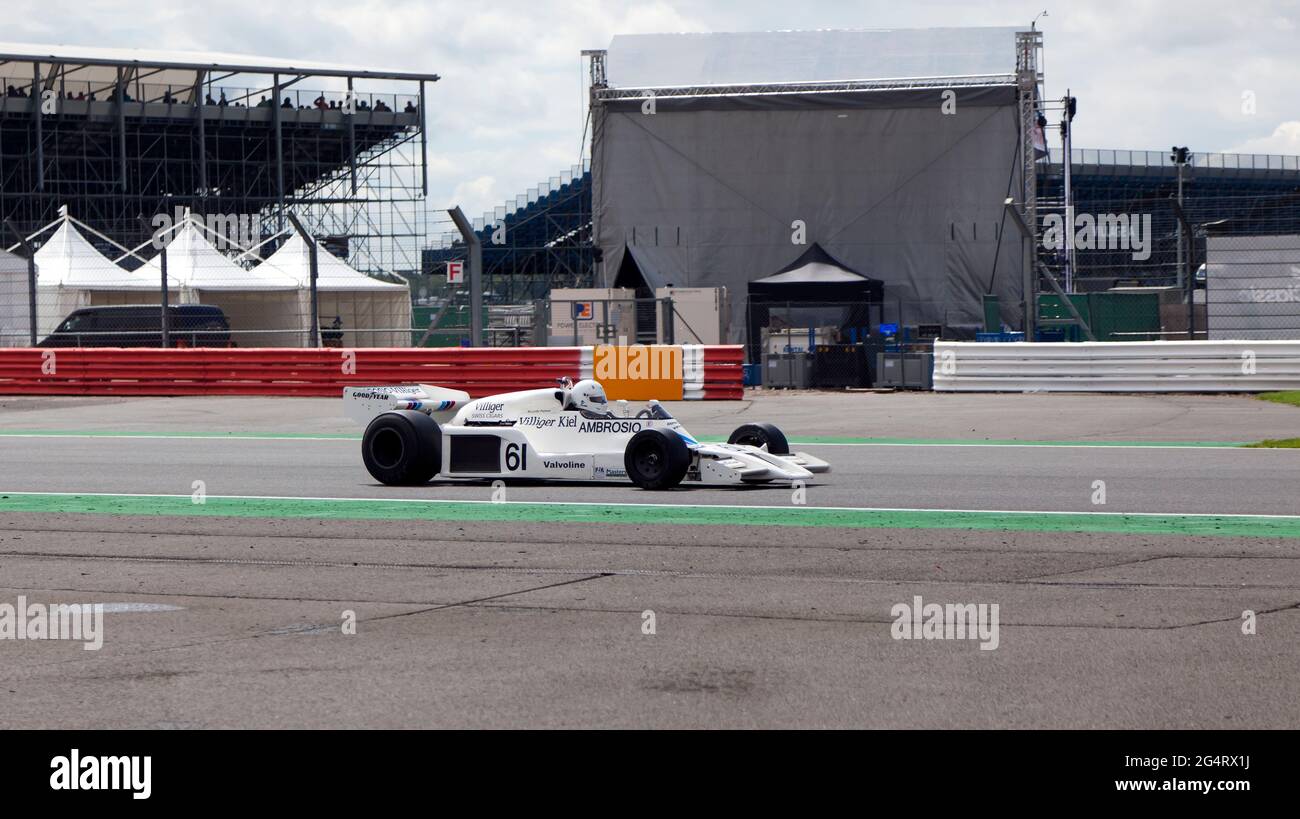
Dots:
pixel 815 279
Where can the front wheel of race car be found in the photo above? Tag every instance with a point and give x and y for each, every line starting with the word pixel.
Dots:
pixel 402 448
pixel 656 459
pixel 761 435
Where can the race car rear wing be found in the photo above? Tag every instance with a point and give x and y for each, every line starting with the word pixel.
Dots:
pixel 362 404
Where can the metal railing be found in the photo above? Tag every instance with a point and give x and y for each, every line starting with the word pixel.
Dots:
pixel 1161 159
pixel 210 94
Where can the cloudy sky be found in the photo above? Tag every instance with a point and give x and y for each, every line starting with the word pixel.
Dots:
pixel 508 111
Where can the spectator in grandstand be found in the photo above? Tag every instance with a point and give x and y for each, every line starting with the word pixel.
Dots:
pixel 263 102
pixel 380 105
pixel 333 105
pixel 168 99
pixel 81 95
pixel 208 100
pixel 222 99
pixel 410 107
pixel 11 91
pixel 287 104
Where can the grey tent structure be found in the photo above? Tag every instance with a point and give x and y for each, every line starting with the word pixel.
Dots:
pixel 711 153
pixel 816 283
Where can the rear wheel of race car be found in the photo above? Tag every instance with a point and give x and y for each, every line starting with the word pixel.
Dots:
pixel 761 435
pixel 402 448
pixel 656 459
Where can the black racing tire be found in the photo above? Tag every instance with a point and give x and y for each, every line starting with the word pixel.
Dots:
pixel 656 459
pixel 760 435
pixel 402 448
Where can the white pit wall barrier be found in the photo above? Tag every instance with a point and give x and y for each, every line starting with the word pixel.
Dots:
pixel 1117 366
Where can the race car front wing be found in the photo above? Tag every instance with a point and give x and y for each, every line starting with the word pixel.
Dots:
pixel 738 463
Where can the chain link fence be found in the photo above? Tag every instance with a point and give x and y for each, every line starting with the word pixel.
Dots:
pixel 1220 267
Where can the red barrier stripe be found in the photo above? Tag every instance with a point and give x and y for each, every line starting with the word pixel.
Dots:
pixel 724 354
pixel 733 394
pixel 316 372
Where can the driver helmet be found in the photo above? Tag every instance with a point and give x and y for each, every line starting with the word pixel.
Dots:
pixel 588 395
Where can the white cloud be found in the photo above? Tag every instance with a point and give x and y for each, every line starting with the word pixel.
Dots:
pixel 1285 139
pixel 479 186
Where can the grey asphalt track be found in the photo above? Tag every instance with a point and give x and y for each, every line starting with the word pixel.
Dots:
pixel 502 624
pixel 1027 417
pixel 1194 480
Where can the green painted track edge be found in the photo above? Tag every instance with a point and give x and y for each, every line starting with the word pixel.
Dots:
pixel 651 514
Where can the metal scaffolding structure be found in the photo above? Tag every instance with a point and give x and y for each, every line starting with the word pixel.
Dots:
pixel 1029 83
pixel 115 136
pixel 768 89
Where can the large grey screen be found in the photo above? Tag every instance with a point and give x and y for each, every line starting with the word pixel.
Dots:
pixel 706 190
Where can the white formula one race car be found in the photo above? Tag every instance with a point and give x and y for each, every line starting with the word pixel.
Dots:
pixel 416 432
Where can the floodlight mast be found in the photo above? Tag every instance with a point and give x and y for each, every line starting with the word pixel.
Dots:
pixel 1180 157
pixel 1067 129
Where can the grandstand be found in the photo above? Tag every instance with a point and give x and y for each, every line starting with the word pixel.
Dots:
pixel 119 134
pixel 531 244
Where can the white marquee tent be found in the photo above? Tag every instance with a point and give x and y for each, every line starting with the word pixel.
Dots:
pixel 372 313
pixel 72 273
pixel 268 305
pixel 266 308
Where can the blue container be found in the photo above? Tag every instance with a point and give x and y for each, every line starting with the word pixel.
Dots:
pixel 753 375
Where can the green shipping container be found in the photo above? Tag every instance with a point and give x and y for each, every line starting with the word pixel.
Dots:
pixel 1110 316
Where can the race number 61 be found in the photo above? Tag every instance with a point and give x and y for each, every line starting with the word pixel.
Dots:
pixel 516 457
